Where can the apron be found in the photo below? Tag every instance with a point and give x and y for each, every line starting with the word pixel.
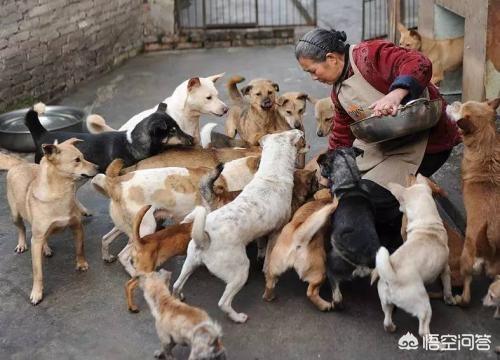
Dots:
pixel 390 161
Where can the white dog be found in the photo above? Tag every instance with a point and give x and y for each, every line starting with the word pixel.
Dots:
pixel 262 208
pixel 420 260
pixel 189 100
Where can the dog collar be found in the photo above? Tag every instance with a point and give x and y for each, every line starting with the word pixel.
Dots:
pixel 342 256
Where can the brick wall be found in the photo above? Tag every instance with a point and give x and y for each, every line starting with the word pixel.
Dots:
pixel 48 46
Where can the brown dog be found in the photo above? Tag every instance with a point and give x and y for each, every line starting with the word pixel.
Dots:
pixel 301 245
pixel 254 115
pixel 324 112
pixel 481 187
pixel 179 323
pixel 292 107
pixel 445 55
pixel 193 157
pixel 44 195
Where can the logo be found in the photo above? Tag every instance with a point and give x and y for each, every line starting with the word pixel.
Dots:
pixel 408 342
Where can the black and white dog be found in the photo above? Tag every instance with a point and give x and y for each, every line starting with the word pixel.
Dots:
pixel 354 241
pixel 148 138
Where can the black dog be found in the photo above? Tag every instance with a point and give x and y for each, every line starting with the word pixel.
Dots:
pixel 354 241
pixel 148 138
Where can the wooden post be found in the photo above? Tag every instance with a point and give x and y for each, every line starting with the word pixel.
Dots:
pixel 393 17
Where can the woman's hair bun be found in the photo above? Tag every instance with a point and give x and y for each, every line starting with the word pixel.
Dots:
pixel 339 35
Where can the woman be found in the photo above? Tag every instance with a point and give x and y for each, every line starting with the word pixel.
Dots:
pixel 375 77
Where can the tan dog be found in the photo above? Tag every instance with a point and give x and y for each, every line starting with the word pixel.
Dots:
pixel 481 187
pixel 44 196
pixel 492 298
pixel 455 239
pixel 179 323
pixel 445 55
pixel 300 245
pixel 420 260
pixel 324 112
pixel 254 111
pixel 193 157
pixel 292 107
pixel 312 165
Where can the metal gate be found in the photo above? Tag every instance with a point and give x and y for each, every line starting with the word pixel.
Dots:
pixel 224 14
pixel 375 12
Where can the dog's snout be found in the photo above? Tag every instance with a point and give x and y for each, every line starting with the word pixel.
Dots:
pixel 298 126
pixel 266 103
pixel 319 133
pixel 225 109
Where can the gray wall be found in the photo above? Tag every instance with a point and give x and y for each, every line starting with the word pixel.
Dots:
pixel 48 46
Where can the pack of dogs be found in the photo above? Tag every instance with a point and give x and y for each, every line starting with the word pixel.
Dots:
pixel 220 193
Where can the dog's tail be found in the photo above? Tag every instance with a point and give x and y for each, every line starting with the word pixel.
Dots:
pixel 113 170
pixel 8 161
pixel 234 93
pixel 104 183
pixel 313 223
pixel 198 233
pixel 96 124
pixel 32 122
pixel 207 185
pixel 136 226
pixel 206 135
pixel 383 266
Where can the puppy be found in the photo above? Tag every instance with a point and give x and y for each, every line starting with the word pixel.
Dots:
pixel 492 298
pixel 292 107
pixel 180 323
pixel 305 185
pixel 301 245
pixel 44 196
pixel 324 112
pixel 445 55
pixel 253 113
pixel 193 157
pixel 354 241
pixel 481 187
pixel 262 208
pixel 419 261
pixel 157 131
pixel 189 100
pixel 312 165
pixel 172 189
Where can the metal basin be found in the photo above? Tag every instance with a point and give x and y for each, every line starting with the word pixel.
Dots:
pixel 15 136
pixel 417 115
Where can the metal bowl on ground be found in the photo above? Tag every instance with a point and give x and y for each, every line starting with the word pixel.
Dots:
pixel 15 136
pixel 416 116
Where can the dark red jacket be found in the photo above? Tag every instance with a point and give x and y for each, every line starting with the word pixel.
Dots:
pixel 386 67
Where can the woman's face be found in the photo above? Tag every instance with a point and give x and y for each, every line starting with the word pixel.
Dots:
pixel 328 71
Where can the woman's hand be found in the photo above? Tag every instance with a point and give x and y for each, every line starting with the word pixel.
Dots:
pixel 389 104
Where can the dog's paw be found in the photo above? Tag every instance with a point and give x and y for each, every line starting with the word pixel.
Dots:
pixel 109 258
pixel 20 248
pixel 449 300
pixel 390 328
pixel 461 301
pixel 178 295
pixel 239 317
pixel 268 295
pixel 47 251
pixel 325 306
pixel 82 265
pixel 133 309
pixel 36 296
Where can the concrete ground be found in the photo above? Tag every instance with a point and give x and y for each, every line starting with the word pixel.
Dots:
pixel 84 315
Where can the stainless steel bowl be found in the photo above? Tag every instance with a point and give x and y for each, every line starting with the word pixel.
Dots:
pixel 416 116
pixel 15 136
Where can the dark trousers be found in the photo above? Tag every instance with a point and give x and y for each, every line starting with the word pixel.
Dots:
pixel 387 214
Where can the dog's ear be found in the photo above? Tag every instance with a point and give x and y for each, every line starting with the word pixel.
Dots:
pixel 281 100
pixel 276 86
pixel 397 190
pixel 193 83
pixel 72 141
pixel 305 97
pixel 358 151
pixel 162 107
pixel 402 28
pixel 494 103
pixel 214 78
pixel 246 89
pixel 50 150
pixel 322 159
pixel 253 162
